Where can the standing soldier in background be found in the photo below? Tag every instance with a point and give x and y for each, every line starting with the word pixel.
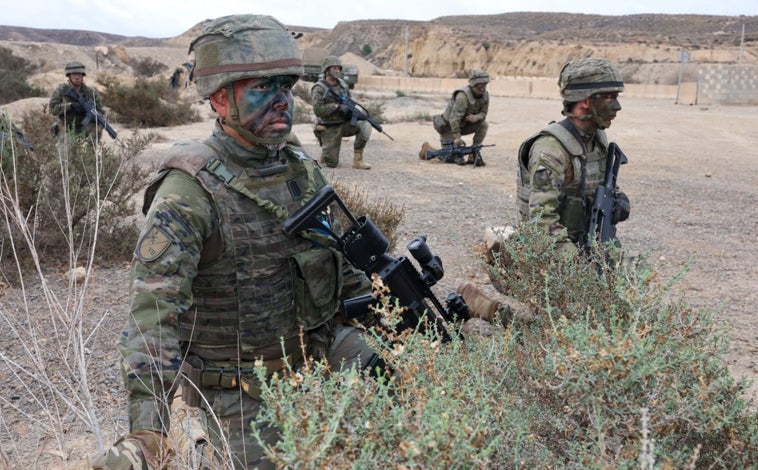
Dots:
pixel 216 285
pixel 466 113
pixel 334 118
pixel 71 112
pixel 561 166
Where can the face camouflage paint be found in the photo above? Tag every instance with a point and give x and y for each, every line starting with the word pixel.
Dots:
pixel 266 105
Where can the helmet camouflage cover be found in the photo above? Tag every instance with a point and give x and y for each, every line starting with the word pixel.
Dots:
pixel 478 76
pixel 330 61
pixel 236 47
pixel 582 78
pixel 75 67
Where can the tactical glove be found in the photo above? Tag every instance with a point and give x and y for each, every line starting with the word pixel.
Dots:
pixel 141 450
pixel 472 118
pixel 621 207
pixel 459 142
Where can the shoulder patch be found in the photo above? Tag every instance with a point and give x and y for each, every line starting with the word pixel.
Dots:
pixel 152 244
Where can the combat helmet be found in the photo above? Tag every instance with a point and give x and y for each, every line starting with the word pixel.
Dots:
pixel 478 76
pixel 582 78
pixel 330 61
pixel 75 67
pixel 235 47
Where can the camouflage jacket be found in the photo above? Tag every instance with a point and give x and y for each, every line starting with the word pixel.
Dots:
pixel 463 103
pixel 215 276
pixel 558 175
pixel 60 106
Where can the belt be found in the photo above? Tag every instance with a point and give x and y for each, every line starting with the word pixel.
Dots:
pixel 231 375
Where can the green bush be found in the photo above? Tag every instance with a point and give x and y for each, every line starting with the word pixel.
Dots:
pixel 149 103
pixel 611 376
pixel 70 201
pixel 15 72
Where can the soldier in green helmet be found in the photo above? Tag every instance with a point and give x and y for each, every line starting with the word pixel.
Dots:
pixel 216 284
pixel 334 117
pixel 69 111
pixel 561 166
pixel 465 114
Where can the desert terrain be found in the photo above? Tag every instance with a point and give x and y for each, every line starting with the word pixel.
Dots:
pixel 692 178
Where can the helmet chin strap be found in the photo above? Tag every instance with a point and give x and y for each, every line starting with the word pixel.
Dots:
pixel 234 123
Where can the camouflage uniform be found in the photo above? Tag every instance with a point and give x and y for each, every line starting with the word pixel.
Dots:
pixel 333 123
pixel 561 166
pixel 465 113
pixel 215 283
pixel 64 107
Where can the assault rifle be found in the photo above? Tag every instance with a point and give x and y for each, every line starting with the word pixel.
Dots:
pixel 455 154
pixel 357 112
pixel 365 247
pixel 601 227
pixel 91 112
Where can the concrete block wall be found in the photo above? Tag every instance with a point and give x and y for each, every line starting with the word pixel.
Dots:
pixel 728 84
pixel 520 87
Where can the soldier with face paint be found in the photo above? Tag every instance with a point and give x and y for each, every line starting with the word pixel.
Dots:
pixel 560 166
pixel 216 284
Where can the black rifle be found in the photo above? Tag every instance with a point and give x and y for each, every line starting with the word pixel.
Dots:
pixel 601 228
pixel 453 153
pixel 365 247
pixel 357 112
pixel 91 112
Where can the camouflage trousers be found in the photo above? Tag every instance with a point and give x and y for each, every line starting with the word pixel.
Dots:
pixel 479 129
pixel 232 413
pixel 331 140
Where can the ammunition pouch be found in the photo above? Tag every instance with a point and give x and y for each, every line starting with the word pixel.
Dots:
pixel 317 284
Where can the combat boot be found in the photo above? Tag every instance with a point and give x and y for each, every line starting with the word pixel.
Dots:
pixel 482 306
pixel 358 160
pixel 425 147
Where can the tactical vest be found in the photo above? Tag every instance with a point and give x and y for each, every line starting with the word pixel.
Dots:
pixel 588 173
pixel 474 106
pixel 255 284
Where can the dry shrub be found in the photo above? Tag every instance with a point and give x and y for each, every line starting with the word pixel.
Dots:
pixel 71 200
pixel 149 103
pixel 15 71
pixel 383 213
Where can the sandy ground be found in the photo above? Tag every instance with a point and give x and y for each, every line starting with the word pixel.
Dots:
pixel 691 179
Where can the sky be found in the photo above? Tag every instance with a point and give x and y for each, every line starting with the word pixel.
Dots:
pixel 169 18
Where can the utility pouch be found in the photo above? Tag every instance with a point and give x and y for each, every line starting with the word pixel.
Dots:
pixel 192 374
pixel 317 280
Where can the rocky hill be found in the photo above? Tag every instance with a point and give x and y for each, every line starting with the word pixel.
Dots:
pixel 516 44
